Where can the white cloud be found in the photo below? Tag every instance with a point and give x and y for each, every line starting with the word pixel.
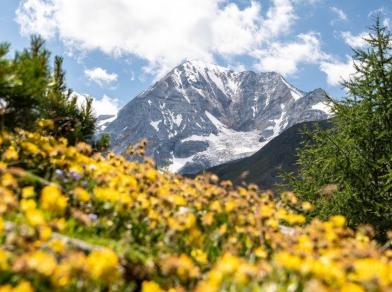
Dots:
pixel 285 58
pixel 386 22
pixel 35 16
pixel 106 106
pixel 338 71
pixel 354 41
pixel 309 2
pixel 280 18
pixel 163 33
pixel 339 12
pixel 103 106
pixel 100 76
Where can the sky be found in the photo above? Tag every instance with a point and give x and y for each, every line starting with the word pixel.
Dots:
pixel 115 49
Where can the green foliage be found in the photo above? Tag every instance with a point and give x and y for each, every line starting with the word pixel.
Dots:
pixel 103 143
pixel 348 169
pixel 31 91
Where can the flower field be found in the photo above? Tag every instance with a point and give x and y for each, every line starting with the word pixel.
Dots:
pixel 73 220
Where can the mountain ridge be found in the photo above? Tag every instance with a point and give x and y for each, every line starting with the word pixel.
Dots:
pixel 200 115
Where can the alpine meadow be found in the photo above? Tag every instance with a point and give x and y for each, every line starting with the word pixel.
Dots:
pixel 219 174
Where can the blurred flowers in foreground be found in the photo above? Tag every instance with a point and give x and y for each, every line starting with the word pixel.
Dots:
pixel 71 220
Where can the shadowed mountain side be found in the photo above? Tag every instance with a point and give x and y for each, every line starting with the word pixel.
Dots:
pixel 263 167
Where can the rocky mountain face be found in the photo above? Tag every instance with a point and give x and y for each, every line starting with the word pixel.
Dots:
pixel 264 167
pixel 201 115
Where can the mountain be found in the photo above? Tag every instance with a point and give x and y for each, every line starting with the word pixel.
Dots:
pixel 263 167
pixel 200 115
pixel 103 121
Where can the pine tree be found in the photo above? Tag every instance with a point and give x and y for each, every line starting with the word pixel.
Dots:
pixel 26 95
pixel 30 91
pixel 6 81
pixel 355 155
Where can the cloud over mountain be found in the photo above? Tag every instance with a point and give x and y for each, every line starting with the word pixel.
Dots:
pixel 164 33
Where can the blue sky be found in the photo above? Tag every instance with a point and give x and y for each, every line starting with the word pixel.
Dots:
pixel 114 49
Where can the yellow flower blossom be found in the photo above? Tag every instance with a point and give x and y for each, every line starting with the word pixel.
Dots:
pixel 45 232
pixel 23 287
pixel 351 287
pixel 81 195
pixel 229 206
pixel 30 148
pixel 260 252
pixel 208 219
pixel 338 220
pixel 35 217
pixel 3 259
pixel 102 264
pixel 57 245
pixel 307 206
pixel 186 268
pixel 10 154
pixel 52 199
pixel 149 286
pixel 41 262
pixel 8 180
pixel 28 192
pixel 288 260
pixel 151 174
pixel 28 204
pixel 200 256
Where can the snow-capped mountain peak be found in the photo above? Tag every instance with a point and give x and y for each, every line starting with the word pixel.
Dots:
pixel 201 114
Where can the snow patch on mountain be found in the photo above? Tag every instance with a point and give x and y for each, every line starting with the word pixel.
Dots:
pixel 155 125
pixel 324 107
pixel 227 145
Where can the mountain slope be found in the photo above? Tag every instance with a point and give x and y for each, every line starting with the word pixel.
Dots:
pixel 263 167
pixel 200 115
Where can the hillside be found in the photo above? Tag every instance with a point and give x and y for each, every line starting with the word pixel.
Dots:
pixel 263 167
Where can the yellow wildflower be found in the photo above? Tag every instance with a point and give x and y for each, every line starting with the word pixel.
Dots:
pixel 151 174
pixel 3 259
pixel 177 200
pixel 41 262
pixel 229 206
pixel 208 219
pixel 307 206
pixel 216 206
pixel 81 194
pixel 30 147
pixel 338 220
pixel 102 264
pixel 28 192
pixel 57 245
pixel 150 286
pixel 186 268
pixel 260 252
pixel 52 199
pixel 8 180
pixel 351 287
pixel 228 264
pixel 200 256
pixel 23 287
pixel 288 260
pixel 45 232
pixel 28 204
pixel 10 154
pixel 35 217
